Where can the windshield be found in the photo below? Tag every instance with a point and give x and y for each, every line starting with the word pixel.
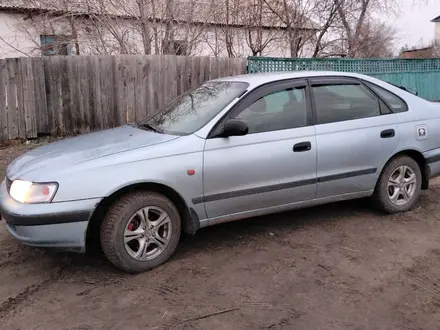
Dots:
pixel 194 109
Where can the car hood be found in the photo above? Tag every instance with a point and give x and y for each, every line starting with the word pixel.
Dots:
pixel 83 148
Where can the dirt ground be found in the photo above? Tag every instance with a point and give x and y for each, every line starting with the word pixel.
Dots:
pixel 340 266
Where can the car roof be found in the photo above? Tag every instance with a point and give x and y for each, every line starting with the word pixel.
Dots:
pixel 256 79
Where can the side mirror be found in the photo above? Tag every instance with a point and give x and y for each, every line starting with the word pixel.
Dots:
pixel 235 127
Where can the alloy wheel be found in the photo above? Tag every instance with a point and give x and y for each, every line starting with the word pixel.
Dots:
pixel 402 185
pixel 147 233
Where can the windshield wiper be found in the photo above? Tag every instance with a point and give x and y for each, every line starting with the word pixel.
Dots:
pixel 150 127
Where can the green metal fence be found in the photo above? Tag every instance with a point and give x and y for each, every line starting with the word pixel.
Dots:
pixel 421 75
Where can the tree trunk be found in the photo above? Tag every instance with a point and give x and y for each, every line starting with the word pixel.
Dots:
pixel 145 29
pixel 74 34
pixel 167 42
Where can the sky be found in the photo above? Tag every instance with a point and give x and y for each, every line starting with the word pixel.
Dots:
pixel 413 22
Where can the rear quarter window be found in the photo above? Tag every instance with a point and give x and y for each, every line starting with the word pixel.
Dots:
pixel 393 101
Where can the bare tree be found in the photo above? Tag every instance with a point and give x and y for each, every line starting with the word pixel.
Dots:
pixel 229 12
pixel 52 27
pixel 115 26
pixel 261 26
pixel 316 28
pixel 295 17
pixel 356 22
pixel 376 40
pixel 326 12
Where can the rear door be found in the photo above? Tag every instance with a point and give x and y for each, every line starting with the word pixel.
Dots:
pixel 274 164
pixel 356 133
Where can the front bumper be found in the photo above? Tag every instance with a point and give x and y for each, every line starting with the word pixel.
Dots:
pixel 64 236
pixel 58 225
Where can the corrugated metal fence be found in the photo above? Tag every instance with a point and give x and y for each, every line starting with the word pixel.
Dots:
pixel 78 94
pixel 421 75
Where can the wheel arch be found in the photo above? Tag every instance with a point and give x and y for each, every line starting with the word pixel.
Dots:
pixel 421 161
pixel 190 220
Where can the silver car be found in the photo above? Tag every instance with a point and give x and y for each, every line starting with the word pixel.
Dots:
pixel 233 148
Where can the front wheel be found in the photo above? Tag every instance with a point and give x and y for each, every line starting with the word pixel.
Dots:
pixel 140 231
pixel 399 185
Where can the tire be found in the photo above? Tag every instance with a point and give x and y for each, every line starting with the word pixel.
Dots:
pixel 382 193
pixel 127 219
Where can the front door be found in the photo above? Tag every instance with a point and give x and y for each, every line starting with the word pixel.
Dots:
pixel 356 133
pixel 273 165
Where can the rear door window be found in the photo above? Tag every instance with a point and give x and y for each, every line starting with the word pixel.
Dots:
pixel 342 102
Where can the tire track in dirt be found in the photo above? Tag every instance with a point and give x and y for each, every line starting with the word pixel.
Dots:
pixel 12 303
pixel 424 285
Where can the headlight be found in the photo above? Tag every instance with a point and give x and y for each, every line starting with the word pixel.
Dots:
pixel 31 193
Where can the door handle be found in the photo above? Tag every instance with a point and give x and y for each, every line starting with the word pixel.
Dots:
pixel 303 146
pixel 388 133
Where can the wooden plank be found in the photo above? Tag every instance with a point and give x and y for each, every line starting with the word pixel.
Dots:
pixel 54 100
pixel 223 68
pixel 162 86
pixel 202 70
pixel 96 122
pixel 28 98
pixel 186 75
pixel 165 79
pixel 234 66
pixel 145 107
pixel 21 117
pixel 195 73
pixel 58 106
pixel 49 82
pixel 75 96
pixel 238 66
pixel 3 111
pixel 13 132
pixel 65 110
pixel 105 91
pixel 113 119
pixel 123 92
pixel 109 111
pixel 180 71
pixel 83 92
pixel 92 63
pixel 156 84
pixel 206 68
pixel 33 103
pixel 40 93
pixel 244 66
pixel 228 67
pixel 149 88
pixel 119 84
pixel 214 68
pixel 139 108
pixel 162 82
pixel 100 97
pixel 130 80
pixel 171 78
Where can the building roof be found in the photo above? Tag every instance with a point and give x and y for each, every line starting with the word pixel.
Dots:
pixel 417 49
pixel 185 11
pixel 435 20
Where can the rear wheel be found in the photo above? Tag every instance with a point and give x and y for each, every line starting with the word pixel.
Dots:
pixel 399 185
pixel 140 232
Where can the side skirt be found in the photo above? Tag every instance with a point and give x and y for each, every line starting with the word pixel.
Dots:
pixel 283 208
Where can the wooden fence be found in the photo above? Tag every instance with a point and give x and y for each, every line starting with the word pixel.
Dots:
pixel 79 94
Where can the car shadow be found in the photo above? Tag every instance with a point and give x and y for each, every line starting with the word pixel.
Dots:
pixel 246 230
pixel 223 235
